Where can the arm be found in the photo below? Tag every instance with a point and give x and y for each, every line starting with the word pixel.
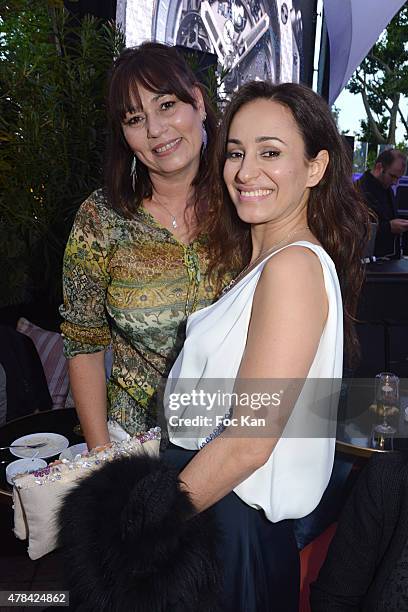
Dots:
pixel 398 226
pixel 384 227
pixel 273 350
pixel 352 558
pixel 85 329
pixel 83 369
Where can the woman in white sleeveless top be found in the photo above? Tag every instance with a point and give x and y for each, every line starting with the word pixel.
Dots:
pixel 289 216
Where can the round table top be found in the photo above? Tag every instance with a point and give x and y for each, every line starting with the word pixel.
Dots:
pixel 61 421
pixel 397 268
pixel 358 415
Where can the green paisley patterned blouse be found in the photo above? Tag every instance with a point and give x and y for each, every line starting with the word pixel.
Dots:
pixel 130 284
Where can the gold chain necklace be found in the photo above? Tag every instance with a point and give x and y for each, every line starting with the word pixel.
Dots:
pixel 252 265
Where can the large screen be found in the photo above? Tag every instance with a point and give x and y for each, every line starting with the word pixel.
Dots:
pixel 256 39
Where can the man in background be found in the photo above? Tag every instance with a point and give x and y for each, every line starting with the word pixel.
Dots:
pixel 376 187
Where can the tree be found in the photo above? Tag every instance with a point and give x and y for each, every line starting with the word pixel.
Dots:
pixel 335 111
pixel 382 80
pixel 53 72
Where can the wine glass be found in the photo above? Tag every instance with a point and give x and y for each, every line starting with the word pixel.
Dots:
pixel 387 397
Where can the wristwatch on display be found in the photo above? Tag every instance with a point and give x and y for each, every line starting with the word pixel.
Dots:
pixel 289 53
pixel 256 39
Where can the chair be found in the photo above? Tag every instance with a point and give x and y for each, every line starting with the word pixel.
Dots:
pixel 26 386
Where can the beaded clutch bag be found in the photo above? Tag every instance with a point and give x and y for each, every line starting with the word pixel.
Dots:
pixel 37 497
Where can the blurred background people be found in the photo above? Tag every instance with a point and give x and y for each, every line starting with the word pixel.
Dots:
pixel 376 185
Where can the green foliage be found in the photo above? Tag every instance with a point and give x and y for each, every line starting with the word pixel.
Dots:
pixel 335 111
pixel 372 155
pixel 381 79
pixel 366 133
pixel 211 78
pixel 402 146
pixel 52 135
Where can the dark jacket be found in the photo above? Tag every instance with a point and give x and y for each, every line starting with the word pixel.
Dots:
pixel 132 543
pixel 382 202
pixel 370 539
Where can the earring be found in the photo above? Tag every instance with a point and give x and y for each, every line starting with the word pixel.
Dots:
pixel 204 136
pixel 133 172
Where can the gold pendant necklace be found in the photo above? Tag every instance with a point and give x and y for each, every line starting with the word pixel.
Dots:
pixel 252 265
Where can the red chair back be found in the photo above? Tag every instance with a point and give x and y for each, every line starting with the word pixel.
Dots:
pixel 311 560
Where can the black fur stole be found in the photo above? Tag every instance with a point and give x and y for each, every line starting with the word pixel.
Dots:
pixel 131 542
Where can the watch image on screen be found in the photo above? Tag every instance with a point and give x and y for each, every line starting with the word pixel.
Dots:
pixel 251 39
pixel 289 53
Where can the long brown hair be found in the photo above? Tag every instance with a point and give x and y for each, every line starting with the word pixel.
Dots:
pixel 161 69
pixel 336 213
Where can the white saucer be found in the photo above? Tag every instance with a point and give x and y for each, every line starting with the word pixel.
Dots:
pixel 55 444
pixel 23 466
pixel 72 451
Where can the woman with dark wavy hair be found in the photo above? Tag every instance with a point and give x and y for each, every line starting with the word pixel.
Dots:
pixel 287 213
pixel 135 263
pixel 335 214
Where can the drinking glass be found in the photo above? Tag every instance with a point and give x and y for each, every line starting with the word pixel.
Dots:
pixel 387 397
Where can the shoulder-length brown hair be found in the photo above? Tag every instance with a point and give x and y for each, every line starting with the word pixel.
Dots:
pixel 336 213
pixel 161 69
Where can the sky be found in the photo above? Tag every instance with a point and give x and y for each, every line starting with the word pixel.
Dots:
pixel 352 110
pixel 350 105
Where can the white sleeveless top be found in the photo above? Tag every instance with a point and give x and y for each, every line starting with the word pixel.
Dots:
pixel 290 484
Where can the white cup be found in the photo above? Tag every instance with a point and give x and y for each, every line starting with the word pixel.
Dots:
pixel 23 466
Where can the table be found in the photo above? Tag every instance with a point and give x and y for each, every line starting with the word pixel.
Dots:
pixel 357 417
pixel 60 421
pixel 383 318
pixel 385 291
pixel 396 269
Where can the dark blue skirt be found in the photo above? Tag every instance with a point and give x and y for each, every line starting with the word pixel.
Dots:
pixel 260 558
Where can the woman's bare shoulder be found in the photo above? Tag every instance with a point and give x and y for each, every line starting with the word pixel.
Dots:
pixel 295 264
